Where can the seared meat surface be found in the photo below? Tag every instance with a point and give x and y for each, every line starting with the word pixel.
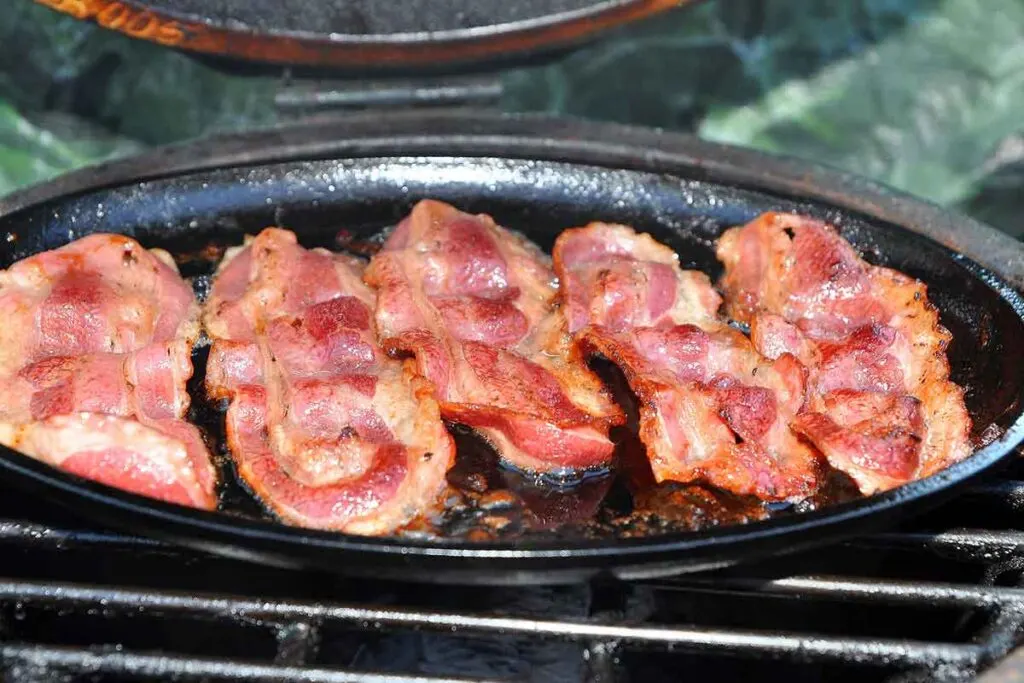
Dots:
pixel 879 405
pixel 338 375
pixel 711 407
pixel 473 303
pixel 324 428
pixel 95 353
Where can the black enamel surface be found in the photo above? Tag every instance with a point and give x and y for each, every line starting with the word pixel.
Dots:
pixel 362 195
pixel 350 38
pixel 367 17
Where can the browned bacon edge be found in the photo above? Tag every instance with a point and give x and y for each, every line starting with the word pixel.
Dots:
pixel 532 435
pixel 404 476
pixel 759 265
pixel 719 458
pixel 111 410
pixel 386 497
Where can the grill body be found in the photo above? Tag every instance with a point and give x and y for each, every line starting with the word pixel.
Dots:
pixel 938 600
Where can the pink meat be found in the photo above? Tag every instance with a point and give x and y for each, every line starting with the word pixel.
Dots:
pixel 880 405
pixel 96 330
pixel 474 304
pixel 711 408
pixel 325 428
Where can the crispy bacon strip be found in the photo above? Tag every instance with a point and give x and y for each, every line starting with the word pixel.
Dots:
pixel 325 429
pixel 711 407
pixel 880 404
pixel 473 303
pixel 95 352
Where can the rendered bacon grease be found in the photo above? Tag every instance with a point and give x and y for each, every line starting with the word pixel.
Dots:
pixel 95 353
pixel 879 402
pixel 474 304
pixel 323 427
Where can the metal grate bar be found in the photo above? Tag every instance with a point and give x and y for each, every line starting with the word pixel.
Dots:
pixel 862 590
pixel 1006 492
pixel 44 660
pixel 801 647
pixel 327 95
pixel 39 535
pixel 297 643
pixel 976 545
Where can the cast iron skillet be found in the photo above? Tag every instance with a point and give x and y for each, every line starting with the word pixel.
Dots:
pixel 412 36
pixel 536 175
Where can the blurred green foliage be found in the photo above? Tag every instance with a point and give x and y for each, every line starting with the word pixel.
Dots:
pixel 926 95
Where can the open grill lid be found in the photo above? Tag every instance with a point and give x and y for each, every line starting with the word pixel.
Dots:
pixel 412 35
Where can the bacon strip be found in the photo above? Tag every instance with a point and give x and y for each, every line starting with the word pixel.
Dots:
pixel 880 404
pixel 474 304
pixel 711 407
pixel 95 354
pixel 325 429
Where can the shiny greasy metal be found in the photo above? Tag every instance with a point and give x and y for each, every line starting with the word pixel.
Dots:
pixel 734 642
pixel 230 599
pixel 413 35
pixel 537 175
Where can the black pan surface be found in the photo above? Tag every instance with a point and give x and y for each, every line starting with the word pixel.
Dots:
pixel 368 17
pixel 538 176
pixel 432 36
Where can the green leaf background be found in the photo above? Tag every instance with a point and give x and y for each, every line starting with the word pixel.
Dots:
pixel 925 95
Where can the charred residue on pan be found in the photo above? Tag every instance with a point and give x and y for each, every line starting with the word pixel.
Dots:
pixel 487 501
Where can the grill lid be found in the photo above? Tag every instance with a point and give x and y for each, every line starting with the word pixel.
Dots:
pixel 413 35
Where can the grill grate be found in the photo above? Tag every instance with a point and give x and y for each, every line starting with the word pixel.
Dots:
pixel 934 601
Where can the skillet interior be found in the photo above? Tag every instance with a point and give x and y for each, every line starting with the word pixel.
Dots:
pixel 364 196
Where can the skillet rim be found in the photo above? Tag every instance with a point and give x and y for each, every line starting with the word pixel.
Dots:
pixel 993 257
